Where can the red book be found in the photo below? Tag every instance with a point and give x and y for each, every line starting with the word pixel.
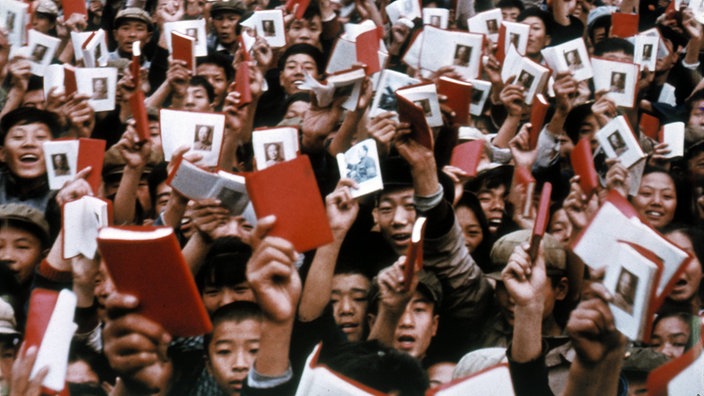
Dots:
pixel 583 166
pixel 41 305
pixel 523 176
pixel 136 64
pixel 88 39
pixel 650 125
pixel 367 47
pixel 139 113
pixel 459 97
pixel 501 45
pixel 182 48
pixel 302 7
pixel 71 7
pixel 242 84
pixel 91 152
pixel 624 25
pixel 466 156
pixel 537 119
pixel 414 253
pixel 541 220
pixel 70 83
pixel 414 115
pixel 289 190
pixel 147 262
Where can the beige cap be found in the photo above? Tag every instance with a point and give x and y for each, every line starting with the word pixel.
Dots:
pixel 8 325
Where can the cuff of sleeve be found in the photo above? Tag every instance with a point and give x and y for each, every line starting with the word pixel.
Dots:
pixel 424 204
pixel 691 66
pixel 51 273
pixel 256 380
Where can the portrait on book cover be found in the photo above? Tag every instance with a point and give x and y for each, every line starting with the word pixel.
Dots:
pixel 268 28
pixel 193 32
pixel 343 90
pixel 229 197
pixel 626 287
pixel 435 20
pixel 425 105
pixel 10 21
pixel 647 52
pixel 38 52
pixel 617 143
pixel 476 96
pixel 492 26
pixel 618 82
pixel 364 169
pixel 203 138
pixel 462 55
pixel 525 79
pixel 513 39
pixel 574 61
pixel 60 164
pixel 274 153
pixel 100 88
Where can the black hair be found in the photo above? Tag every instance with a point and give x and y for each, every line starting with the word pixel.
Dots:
pixel 613 44
pixel 80 352
pixel 157 176
pixel 220 61
pixel 537 12
pixel 312 10
pixel 237 312
pixel 303 48
pixel 26 116
pixel 35 83
pixel 603 21
pixel 481 253
pixel 511 4
pixel 695 235
pixel 491 179
pixel 200 81
pixel 225 264
pixel 303 96
pixel 689 319
pixel 696 96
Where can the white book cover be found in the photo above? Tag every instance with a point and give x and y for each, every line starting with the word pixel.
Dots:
pixel 61 158
pixel 385 95
pixel 42 49
pixel 361 164
pixel 348 84
pixel 494 381
pixel 689 381
pixel 53 78
pixel 663 50
pixel 673 135
pixel 425 96
pixel 82 219
pixel 409 9
pixel 412 55
pixel 100 83
pixel 436 17
pixel 13 18
pixel 268 24
pixel 460 49
pixel 95 51
pixel 487 23
pixel 196 183
pixel 77 40
pixel 54 348
pixel 667 95
pixel 532 76
pixel 202 132
pixel 516 35
pixel 480 93
pixel 645 52
pixel 570 56
pixel 275 145
pixel 618 141
pixel 619 79
pixel 630 278
pixel 194 28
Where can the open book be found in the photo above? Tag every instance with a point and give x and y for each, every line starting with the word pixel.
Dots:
pixel 424 96
pixel 462 50
pixel 196 183
pixel 619 79
pixel 100 83
pixel 346 83
pixel 645 52
pixel 41 50
pixel 94 49
pixel 360 44
pixel 437 17
pixel 147 262
pixel 385 95
pixel 268 24
pixel 81 220
pixel 361 164
pixel 525 72
pixel 409 9
pixel 194 29
pixel 64 158
pixel 274 145
pixel 486 23
pixel 512 34
pixel 14 15
pixel 571 56
pixel 203 132
pixel 480 93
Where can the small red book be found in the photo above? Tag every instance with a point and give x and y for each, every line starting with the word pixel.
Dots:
pixel 523 176
pixel 414 253
pixel 583 166
pixel 624 25
pixel 147 262
pixel 459 97
pixel 650 125
pixel 41 305
pixel 537 119
pixel 289 191
pixel 242 84
pixel 136 64
pixel 541 220
pixel 182 48
pixel 412 114
pixel 367 48
pixel 91 152
pixel 139 113
pixel 501 44
pixel 302 7
pixel 71 7
pixel 70 83
pixel 466 156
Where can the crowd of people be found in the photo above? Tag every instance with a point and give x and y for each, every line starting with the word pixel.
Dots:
pixel 480 298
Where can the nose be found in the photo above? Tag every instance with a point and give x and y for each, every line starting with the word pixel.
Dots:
pixel 400 217
pixel 657 199
pixel 346 306
pixel 240 363
pixel 407 321
pixel 228 296
pixel 669 350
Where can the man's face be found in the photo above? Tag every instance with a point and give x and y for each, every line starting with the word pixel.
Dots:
pixel 417 326
pixel 618 56
pixel 395 215
pixel 695 165
pixel 349 304
pixel 510 14
pixel 493 205
pixel 588 129
pixel 224 24
pixel 20 251
pixel 42 24
pixel 163 194
pixel 215 297
pixel 305 31
pixel 292 75
pixel 197 99
pixel 696 116
pixel 129 32
pixel 22 150
pixel 216 77
pixel 232 351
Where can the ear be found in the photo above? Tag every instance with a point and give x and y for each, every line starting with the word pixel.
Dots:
pixel 548 39
pixel 3 154
pixel 375 214
pixel 561 289
pixel 436 322
pixel 371 318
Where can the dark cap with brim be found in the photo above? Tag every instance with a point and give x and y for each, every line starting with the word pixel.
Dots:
pixel 235 6
pixel 133 14
pixel 27 218
pixel 428 285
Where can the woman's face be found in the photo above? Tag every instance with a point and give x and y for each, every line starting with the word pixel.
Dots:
pixel 472 230
pixel 670 336
pixel 656 199
pixel 687 285
pixel 537 36
pixel 560 226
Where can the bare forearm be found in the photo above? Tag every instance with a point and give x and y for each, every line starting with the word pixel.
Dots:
pixel 159 96
pixel 507 131
pixel 124 205
pixel 195 251
pixel 273 356
pixel 385 326
pixel 527 343
pixel 174 211
pixel 343 138
pixel 318 286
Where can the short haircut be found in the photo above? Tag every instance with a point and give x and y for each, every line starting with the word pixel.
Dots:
pixel 157 176
pixel 537 12
pixel 200 81
pixel 220 61
pixel 26 116
pixel 81 352
pixel 613 44
pixel 696 96
pixel 225 264
pixel 312 11
pixel 237 312
pixel 303 48
pixel 35 83
pixel 511 4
